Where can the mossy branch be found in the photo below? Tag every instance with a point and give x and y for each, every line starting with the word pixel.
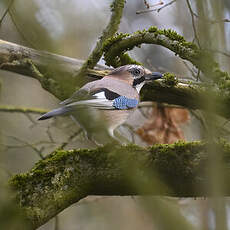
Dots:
pixel 116 47
pixel 55 73
pixel 188 95
pixel 117 10
pixel 65 177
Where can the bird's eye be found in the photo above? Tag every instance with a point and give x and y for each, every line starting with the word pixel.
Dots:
pixel 136 72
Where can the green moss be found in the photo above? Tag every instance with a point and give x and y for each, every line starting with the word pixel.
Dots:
pixel 126 59
pixel 152 29
pixel 114 58
pixel 64 177
pixel 19 180
pixel 173 35
pixel 177 164
pixel 170 79
pixel 112 40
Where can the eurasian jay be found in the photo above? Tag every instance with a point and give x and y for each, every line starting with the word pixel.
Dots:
pixel 107 103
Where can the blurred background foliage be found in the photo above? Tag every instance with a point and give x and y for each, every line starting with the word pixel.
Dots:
pixel 71 28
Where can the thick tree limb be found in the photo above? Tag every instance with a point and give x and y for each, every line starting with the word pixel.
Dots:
pixel 55 73
pixel 189 96
pixel 65 177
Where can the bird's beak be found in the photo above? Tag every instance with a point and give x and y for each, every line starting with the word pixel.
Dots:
pixel 153 76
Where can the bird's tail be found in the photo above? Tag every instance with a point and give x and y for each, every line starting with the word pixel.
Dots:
pixel 93 103
pixel 55 112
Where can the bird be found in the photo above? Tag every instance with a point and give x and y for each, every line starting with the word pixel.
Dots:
pixel 100 106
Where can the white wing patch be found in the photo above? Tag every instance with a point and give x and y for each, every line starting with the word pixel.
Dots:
pixel 100 95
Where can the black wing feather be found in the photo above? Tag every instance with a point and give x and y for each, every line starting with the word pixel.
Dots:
pixel 109 95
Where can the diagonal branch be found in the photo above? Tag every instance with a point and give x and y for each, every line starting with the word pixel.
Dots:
pixel 117 10
pixel 193 23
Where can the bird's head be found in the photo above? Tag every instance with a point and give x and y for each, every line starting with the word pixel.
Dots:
pixel 136 75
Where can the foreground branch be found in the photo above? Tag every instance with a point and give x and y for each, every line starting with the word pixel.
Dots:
pixel 65 177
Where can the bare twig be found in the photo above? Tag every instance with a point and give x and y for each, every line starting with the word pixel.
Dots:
pixel 146 4
pixel 193 23
pixel 145 11
pixel 6 11
pixel 157 4
pixel 63 145
pixel 19 30
pixel 166 5
pixel 48 132
pixel 27 144
pixel 30 119
pixel 158 9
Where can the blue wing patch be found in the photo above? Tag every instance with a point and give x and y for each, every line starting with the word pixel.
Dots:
pixel 124 103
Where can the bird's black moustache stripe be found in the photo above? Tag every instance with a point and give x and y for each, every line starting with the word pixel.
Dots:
pixel 137 81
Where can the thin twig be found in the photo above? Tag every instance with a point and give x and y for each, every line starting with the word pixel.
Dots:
pixel 158 9
pixel 193 23
pixel 19 30
pixel 27 144
pixel 6 11
pixel 49 134
pixel 63 145
pixel 166 5
pixel 146 4
pixel 30 119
